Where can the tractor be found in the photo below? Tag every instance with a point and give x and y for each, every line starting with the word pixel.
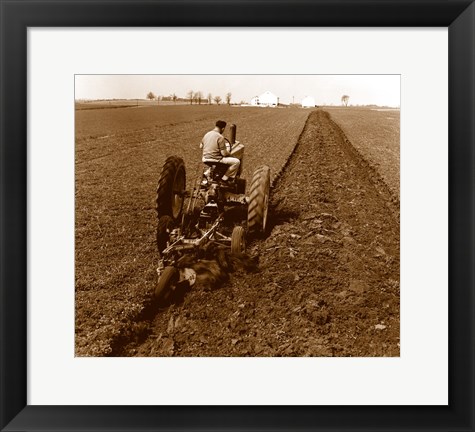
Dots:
pixel 196 223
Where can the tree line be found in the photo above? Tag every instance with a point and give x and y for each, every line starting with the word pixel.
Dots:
pixel 192 97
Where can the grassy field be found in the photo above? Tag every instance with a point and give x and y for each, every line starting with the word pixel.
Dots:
pixel 376 135
pixel 119 155
pixel 123 103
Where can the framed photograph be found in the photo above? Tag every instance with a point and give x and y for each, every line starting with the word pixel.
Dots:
pixel 314 273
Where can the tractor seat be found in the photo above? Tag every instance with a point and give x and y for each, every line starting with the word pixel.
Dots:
pixel 218 169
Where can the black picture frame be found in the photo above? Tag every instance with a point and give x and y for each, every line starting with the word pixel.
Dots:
pixel 16 16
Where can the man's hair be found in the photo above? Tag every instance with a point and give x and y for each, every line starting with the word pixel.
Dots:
pixel 221 124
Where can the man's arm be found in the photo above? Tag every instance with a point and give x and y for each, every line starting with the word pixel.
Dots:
pixel 222 146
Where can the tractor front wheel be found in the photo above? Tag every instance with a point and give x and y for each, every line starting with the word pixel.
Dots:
pixel 259 200
pixel 238 240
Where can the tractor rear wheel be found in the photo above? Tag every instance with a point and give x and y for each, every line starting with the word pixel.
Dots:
pixel 164 227
pixel 168 280
pixel 259 200
pixel 238 240
pixel 171 188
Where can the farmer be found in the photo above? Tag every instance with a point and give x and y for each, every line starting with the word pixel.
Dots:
pixel 215 150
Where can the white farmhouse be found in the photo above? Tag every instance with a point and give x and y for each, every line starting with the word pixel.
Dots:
pixel 255 101
pixel 266 99
pixel 308 102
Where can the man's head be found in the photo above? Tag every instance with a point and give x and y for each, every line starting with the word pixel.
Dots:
pixel 221 125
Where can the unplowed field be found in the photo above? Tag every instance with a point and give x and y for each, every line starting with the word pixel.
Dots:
pixel 119 155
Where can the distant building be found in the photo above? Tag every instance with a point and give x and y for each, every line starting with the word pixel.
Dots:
pixel 308 102
pixel 266 99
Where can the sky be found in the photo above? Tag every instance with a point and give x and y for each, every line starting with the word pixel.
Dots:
pixel 383 90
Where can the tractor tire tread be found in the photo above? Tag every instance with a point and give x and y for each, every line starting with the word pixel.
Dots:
pixel 165 185
pixel 260 186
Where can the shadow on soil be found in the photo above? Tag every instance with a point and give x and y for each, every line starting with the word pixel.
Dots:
pixel 278 216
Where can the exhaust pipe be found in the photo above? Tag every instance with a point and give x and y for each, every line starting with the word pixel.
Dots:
pixel 232 130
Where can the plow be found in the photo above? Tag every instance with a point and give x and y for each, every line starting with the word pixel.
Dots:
pixel 209 223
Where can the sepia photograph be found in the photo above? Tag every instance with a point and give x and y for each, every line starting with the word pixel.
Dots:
pixel 237 215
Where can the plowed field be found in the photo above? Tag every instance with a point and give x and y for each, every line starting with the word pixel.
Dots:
pixel 375 133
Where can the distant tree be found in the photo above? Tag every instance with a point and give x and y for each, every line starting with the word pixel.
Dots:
pixel 173 97
pixel 228 98
pixel 190 95
pixel 159 98
pixel 210 98
pixel 345 99
pixel 198 97
pixel 151 96
pixel 217 99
